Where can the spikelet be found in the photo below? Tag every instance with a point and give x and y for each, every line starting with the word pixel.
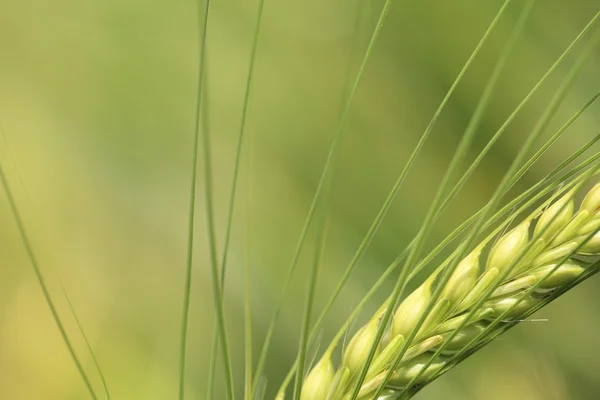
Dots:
pixel 555 218
pixel 408 313
pixel 508 247
pixel 463 280
pixel 358 348
pixel 319 380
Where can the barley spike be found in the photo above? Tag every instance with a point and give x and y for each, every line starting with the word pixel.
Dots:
pixel 548 250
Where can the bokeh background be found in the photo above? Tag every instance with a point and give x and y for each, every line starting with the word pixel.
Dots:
pixel 97 104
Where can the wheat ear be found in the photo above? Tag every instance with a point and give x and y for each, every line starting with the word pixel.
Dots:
pixel 524 269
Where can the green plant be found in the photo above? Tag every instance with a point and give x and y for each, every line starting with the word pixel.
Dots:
pixel 481 290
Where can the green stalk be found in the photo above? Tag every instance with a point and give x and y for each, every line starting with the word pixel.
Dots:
pixel 233 190
pixel 40 278
pixel 192 211
pixel 87 342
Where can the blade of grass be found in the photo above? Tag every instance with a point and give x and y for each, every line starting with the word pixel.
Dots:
pixel 212 367
pixel 87 342
pixel 241 134
pixel 494 201
pixel 70 304
pixel 304 333
pixel 40 278
pixel 203 14
pixel 247 310
pixel 328 164
pixel 205 121
pixel 232 196
pixel 460 153
pixel 357 33
pixel 247 268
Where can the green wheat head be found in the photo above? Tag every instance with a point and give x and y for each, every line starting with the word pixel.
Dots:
pixel 551 249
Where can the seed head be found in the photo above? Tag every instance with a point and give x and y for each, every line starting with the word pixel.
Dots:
pixel 559 233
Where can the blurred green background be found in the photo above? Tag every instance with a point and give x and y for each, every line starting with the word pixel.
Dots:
pixel 97 106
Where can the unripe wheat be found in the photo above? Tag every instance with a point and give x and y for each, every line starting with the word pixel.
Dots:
pixel 545 252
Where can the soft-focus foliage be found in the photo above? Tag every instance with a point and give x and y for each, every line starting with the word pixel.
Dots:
pixel 97 105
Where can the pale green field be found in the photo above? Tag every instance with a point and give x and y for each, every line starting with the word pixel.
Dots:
pixel 97 104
